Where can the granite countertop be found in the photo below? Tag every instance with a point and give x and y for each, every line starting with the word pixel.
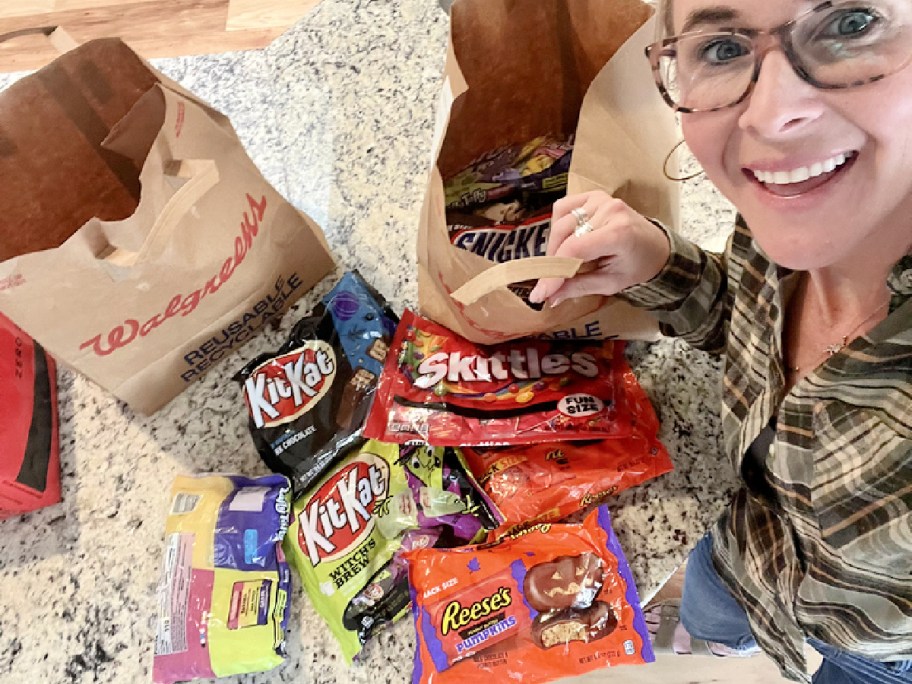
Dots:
pixel 338 113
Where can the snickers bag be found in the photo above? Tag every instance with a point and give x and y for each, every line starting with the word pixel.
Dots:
pixel 518 70
pixel 140 243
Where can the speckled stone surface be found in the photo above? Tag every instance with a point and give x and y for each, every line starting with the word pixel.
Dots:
pixel 338 113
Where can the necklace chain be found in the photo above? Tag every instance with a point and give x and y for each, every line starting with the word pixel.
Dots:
pixel 833 349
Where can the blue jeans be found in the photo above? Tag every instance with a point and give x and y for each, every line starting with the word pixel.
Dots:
pixel 711 613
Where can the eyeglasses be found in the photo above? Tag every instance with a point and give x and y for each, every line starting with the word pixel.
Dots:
pixel 837 44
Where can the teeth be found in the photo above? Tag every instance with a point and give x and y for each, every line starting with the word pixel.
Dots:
pixel 802 174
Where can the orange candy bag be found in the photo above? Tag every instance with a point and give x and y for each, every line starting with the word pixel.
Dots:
pixel 538 483
pixel 550 602
pixel 546 482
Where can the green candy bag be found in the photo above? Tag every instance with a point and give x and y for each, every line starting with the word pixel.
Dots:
pixel 347 533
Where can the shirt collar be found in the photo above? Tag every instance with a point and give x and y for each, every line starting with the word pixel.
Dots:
pixel 900 280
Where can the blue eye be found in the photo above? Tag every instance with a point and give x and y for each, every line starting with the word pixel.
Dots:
pixel 722 51
pixel 849 23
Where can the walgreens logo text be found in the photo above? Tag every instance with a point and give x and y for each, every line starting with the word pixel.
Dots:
pixel 185 304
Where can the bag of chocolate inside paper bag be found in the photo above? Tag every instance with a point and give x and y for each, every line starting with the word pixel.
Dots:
pixel 565 70
pixel 140 243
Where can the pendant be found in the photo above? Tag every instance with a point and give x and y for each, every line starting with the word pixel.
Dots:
pixel 833 349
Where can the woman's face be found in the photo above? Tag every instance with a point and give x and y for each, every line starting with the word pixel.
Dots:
pixel 786 126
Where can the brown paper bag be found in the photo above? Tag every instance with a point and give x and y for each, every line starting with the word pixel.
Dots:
pixel 517 70
pixel 197 253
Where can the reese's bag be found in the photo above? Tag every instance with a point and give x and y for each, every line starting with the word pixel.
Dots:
pixel 553 601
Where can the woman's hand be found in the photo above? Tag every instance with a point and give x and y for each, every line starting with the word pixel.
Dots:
pixel 626 248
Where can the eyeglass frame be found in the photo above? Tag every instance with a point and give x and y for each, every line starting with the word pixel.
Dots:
pixel 781 33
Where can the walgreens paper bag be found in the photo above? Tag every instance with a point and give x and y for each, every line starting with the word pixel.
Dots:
pixel 142 243
pixel 517 70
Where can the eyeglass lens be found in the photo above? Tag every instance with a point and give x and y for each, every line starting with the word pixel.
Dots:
pixel 837 45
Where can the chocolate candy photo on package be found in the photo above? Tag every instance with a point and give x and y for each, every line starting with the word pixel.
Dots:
pixel 348 532
pixel 439 388
pixel 566 582
pixel 552 601
pixel 588 624
pixel 307 401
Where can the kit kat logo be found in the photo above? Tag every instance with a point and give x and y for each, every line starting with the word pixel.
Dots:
pixel 281 389
pixel 340 514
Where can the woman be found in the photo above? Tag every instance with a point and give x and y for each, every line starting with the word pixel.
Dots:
pixel 801 114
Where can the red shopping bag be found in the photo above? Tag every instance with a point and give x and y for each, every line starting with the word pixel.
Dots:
pixel 29 438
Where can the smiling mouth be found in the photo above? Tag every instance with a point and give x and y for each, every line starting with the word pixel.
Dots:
pixel 804 179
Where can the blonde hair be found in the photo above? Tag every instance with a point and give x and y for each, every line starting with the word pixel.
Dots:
pixel 665 19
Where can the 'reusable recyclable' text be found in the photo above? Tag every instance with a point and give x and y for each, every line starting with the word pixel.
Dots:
pixel 243 328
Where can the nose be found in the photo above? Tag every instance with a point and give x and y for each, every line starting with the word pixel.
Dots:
pixel 781 103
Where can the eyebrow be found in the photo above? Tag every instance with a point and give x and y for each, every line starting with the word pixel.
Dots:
pixel 709 15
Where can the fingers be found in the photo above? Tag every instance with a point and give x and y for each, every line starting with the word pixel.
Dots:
pixel 598 282
pixel 544 289
pixel 598 242
pixel 598 206
pixel 563 222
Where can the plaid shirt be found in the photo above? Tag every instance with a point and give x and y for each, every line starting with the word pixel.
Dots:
pixel 821 545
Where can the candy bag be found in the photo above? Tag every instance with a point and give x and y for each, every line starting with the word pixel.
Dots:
pixel 539 165
pixel 501 242
pixel 444 390
pixel 223 595
pixel 547 482
pixel 551 602
pixel 307 402
pixel 29 430
pixel 537 483
pixel 347 533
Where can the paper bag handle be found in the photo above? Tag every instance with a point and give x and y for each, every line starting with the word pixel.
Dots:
pixel 59 38
pixel 202 175
pixel 516 271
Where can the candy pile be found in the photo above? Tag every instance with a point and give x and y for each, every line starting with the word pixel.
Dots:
pixel 499 206
pixel 417 468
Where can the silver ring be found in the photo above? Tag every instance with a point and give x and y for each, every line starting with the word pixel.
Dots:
pixel 583 228
pixel 580 215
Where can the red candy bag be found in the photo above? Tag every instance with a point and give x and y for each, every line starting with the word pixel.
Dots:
pixel 439 388
pixel 551 602
pixel 29 442
pixel 547 482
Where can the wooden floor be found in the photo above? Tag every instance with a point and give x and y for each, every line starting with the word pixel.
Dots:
pixel 154 28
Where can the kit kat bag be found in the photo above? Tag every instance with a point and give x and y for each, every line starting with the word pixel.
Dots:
pixel 140 243
pixel 518 70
